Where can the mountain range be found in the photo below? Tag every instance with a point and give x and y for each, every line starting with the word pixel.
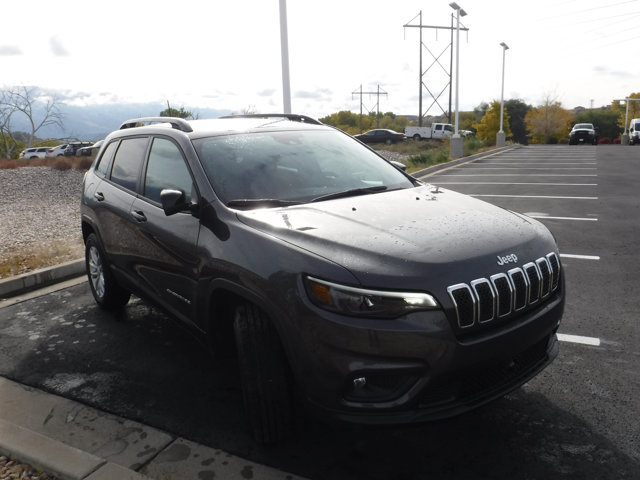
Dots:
pixel 94 122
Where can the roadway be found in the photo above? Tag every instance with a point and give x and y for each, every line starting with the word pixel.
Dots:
pixel 578 419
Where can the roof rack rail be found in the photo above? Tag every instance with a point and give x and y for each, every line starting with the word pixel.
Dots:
pixel 290 116
pixel 176 122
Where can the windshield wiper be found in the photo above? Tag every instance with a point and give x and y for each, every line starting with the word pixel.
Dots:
pixel 351 193
pixel 261 202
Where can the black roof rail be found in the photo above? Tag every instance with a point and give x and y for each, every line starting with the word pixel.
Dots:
pixel 176 122
pixel 290 116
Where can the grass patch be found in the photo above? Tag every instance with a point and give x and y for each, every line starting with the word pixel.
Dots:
pixel 26 259
pixel 426 153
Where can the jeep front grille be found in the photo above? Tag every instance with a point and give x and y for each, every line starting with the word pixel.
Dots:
pixel 484 300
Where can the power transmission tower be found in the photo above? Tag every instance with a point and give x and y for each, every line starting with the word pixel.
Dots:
pixel 435 62
pixel 377 94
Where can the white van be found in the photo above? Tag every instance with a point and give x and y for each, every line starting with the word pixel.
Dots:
pixel 634 131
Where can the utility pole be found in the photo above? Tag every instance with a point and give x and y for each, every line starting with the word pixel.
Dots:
pixel 435 61
pixel 377 94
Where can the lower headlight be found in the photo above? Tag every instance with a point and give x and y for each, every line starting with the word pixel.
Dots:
pixel 360 302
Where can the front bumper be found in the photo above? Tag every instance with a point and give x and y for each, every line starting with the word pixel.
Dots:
pixel 415 369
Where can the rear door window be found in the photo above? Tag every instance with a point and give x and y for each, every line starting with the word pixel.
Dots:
pixel 105 159
pixel 128 161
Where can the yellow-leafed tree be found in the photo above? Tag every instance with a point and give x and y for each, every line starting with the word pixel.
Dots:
pixel 621 109
pixel 490 124
pixel 549 123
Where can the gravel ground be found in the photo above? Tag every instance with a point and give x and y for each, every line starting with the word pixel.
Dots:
pixel 40 212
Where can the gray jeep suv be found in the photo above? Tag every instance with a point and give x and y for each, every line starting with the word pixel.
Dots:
pixel 330 271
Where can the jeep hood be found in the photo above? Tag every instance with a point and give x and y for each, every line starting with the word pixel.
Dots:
pixel 400 233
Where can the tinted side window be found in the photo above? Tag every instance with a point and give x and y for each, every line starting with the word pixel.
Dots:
pixel 166 169
pixel 103 163
pixel 126 164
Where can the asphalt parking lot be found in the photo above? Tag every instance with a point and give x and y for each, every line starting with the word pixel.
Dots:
pixel 577 420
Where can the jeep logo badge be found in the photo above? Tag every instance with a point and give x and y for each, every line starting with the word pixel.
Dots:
pixel 512 258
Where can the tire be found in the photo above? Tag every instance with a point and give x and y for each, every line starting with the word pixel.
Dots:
pixel 263 375
pixel 106 291
pixel 417 137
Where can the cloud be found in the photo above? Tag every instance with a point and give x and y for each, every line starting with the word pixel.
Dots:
pixel 320 94
pixel 57 48
pixel 267 92
pixel 9 50
pixel 614 73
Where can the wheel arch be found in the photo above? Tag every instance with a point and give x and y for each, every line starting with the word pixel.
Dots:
pixel 223 298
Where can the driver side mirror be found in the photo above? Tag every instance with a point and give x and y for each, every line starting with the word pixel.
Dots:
pixel 398 165
pixel 173 201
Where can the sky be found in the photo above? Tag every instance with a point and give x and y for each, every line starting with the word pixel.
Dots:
pixel 227 54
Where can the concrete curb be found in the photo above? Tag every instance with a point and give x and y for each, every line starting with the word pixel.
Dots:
pixel 453 163
pixel 27 282
pixel 57 458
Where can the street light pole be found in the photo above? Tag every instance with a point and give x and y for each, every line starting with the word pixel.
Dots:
pixel 455 145
pixel 500 136
pixel 284 48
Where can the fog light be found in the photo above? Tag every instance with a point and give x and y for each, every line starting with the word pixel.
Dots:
pixel 359 382
pixel 379 387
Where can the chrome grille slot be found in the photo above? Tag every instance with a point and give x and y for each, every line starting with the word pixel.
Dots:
pixel 533 275
pixel 501 295
pixel 504 292
pixel 464 303
pixel 545 273
pixel 555 270
pixel 520 288
pixel 486 299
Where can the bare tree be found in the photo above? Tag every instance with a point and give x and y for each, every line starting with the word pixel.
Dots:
pixel 39 110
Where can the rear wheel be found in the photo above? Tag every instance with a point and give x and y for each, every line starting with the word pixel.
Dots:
pixel 106 291
pixel 263 374
pixel 417 137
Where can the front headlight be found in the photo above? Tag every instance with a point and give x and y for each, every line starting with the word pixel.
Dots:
pixel 361 302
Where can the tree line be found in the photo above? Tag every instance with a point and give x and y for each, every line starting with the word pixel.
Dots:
pixel 522 123
pixel 548 122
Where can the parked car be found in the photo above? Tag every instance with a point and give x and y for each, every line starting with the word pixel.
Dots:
pixel 73 147
pixel 322 266
pixel 88 150
pixel 34 152
pixel 634 131
pixel 57 151
pixel 381 135
pixel 583 133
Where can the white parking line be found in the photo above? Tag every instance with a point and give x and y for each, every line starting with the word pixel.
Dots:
pixel 515 175
pixel 579 257
pixel 579 339
pixel 535 196
pixel 578 219
pixel 516 183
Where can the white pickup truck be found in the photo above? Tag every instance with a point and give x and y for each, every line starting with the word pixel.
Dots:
pixel 436 130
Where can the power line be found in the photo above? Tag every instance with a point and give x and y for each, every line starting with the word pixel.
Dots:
pixel 436 61
pixel 377 94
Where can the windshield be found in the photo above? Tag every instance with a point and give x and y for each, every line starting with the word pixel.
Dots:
pixel 583 126
pixel 293 167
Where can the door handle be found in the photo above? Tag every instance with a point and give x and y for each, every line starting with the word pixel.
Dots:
pixel 139 215
pixel 99 196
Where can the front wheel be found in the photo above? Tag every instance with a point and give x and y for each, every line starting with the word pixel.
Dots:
pixel 106 291
pixel 263 374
